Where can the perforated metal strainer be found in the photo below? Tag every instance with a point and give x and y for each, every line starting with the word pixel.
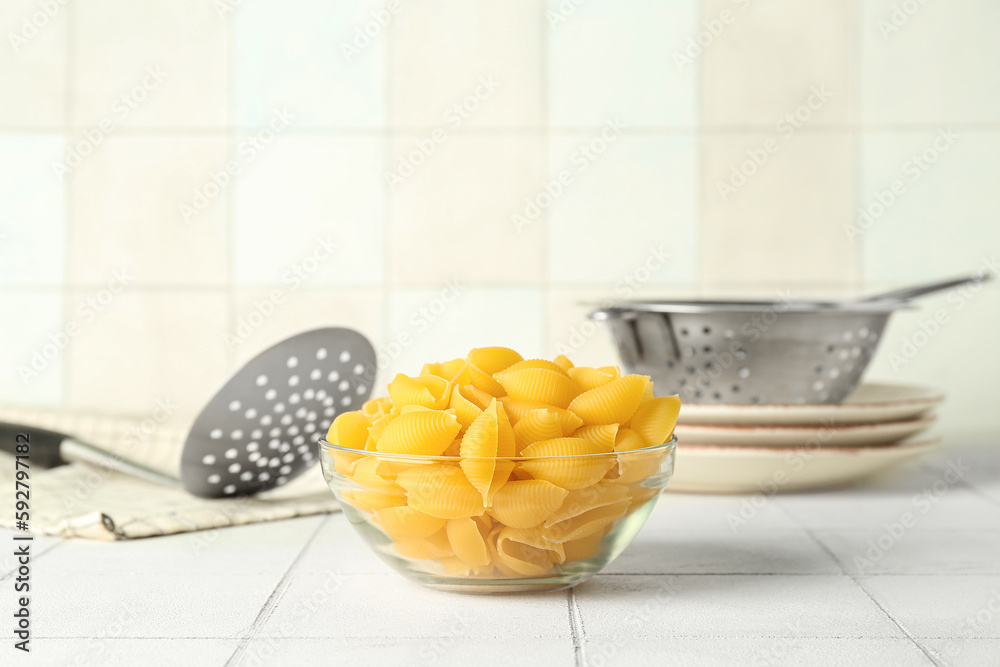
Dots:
pixel 755 352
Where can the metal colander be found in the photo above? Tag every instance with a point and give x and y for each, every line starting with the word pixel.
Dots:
pixel 719 352
pixel 757 351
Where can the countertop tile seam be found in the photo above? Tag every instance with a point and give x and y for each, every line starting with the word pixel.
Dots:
pixel 576 629
pixel 898 624
pixel 34 558
pixel 275 597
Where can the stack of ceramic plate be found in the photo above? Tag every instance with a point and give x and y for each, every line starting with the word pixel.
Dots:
pixel 773 448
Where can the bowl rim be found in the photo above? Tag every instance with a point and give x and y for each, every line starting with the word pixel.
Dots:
pixel 325 444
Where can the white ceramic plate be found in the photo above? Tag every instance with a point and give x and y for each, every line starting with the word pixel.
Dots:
pixel 710 469
pixel 868 403
pixel 847 435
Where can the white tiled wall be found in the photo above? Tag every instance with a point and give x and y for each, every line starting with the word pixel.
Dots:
pixel 523 157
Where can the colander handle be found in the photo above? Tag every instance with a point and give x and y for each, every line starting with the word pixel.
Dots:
pixel 605 314
pixel 913 292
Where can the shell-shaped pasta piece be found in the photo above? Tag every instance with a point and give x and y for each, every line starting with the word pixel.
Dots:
pixel 454 449
pixel 481 445
pixel 349 429
pixel 480 398
pixel 426 390
pixel 441 491
pixel 426 433
pixel 647 392
pixel 455 371
pixel 535 363
pixel 542 424
pixel 465 409
pixel 585 547
pixel 539 384
pixel 634 467
pixel 405 522
pixel 372 501
pixel 468 541
pixel 612 370
pixel 524 504
pixel 376 475
pixel 568 469
pixel 563 362
pixel 654 420
pixel 599 434
pixel 376 407
pixel 626 440
pixel 433 547
pixel 456 567
pixel 587 511
pixel 378 427
pixel 527 552
pixel 484 362
pixel 344 462
pixel 612 403
pixel 517 409
pixel 590 378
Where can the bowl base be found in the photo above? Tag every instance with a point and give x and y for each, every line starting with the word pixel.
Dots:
pixel 502 586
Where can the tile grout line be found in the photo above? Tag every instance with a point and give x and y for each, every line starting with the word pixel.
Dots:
pixel 576 629
pixel 273 599
pixel 34 558
pixel 885 612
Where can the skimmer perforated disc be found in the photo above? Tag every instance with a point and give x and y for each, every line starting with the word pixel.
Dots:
pixel 260 430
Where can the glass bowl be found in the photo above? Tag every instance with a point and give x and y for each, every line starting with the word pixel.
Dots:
pixel 422 517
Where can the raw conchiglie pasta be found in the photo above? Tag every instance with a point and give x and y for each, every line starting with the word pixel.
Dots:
pixel 349 429
pixel 647 392
pixel 539 384
pixel 426 390
pixel 441 491
pixel 542 424
pixel 585 547
pixel 587 511
pixel 636 466
pixel 612 403
pixel 567 469
pixel 517 409
pixel 654 420
pixel 372 501
pixel 378 427
pixel 454 449
pixel 405 522
pixel 426 433
pixel 456 567
pixel 484 362
pixel 490 436
pixel 480 398
pixel 527 552
pixel 434 547
pixel 563 362
pixel 455 370
pixel 601 434
pixel 535 363
pixel 375 475
pixel 344 463
pixel 465 409
pixel 524 504
pixel 626 440
pixel 468 541
pixel 590 378
pixel 376 408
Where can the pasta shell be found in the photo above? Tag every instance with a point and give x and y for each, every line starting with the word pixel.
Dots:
pixel 480 446
pixel 601 434
pixel 484 362
pixel 517 409
pixel 590 378
pixel 368 473
pixel 456 567
pixel 426 433
pixel 568 470
pixel 377 428
pixel 563 362
pixel 372 501
pixel 467 541
pixel 539 384
pixel 654 420
pixel 427 391
pixel 524 504
pixel 343 462
pixel 527 552
pixel 626 440
pixel 542 424
pixel 376 407
pixel 585 547
pixel 636 466
pixel 349 429
pixel 535 363
pixel 587 511
pixel 612 403
pixel 433 547
pixel 455 371
pixel 480 398
pixel 465 409
pixel 405 522
pixel 441 491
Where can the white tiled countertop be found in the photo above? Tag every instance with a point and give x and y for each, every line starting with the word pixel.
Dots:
pixel 824 578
